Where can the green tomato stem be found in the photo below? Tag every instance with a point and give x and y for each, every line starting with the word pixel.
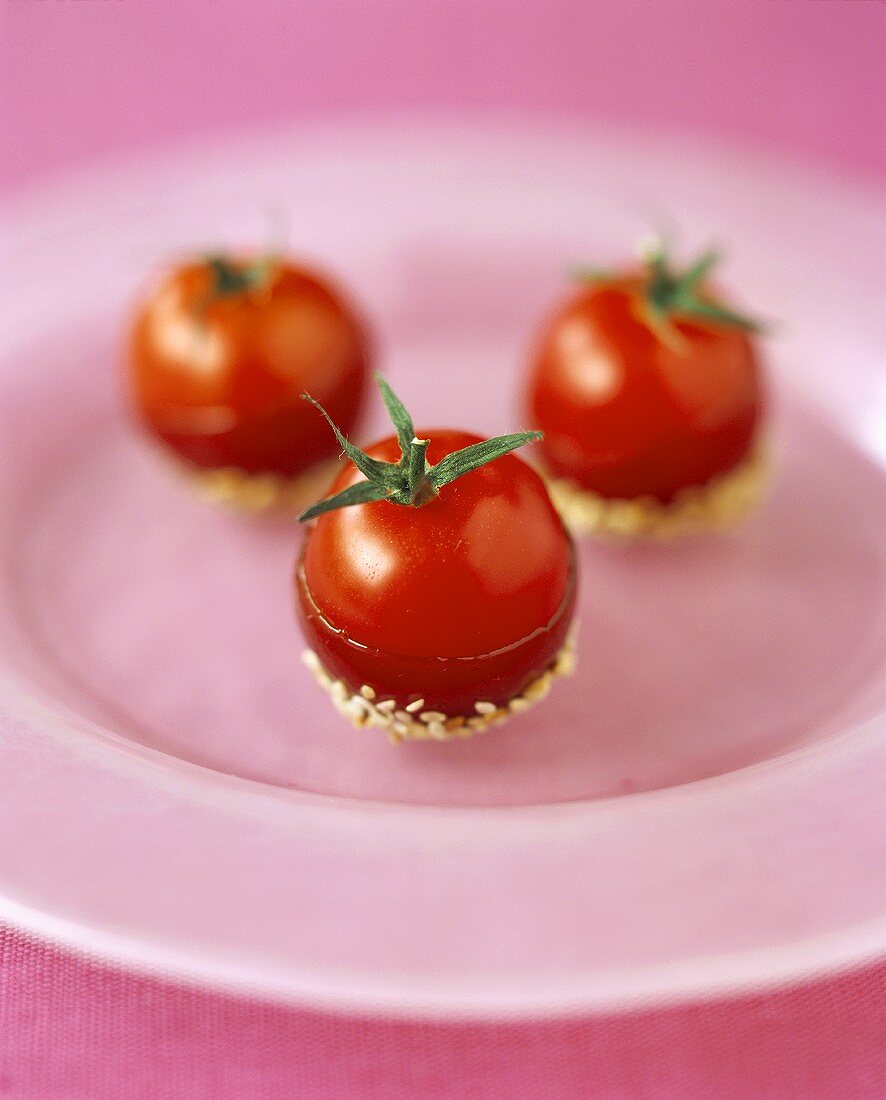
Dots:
pixel 420 488
pixel 411 482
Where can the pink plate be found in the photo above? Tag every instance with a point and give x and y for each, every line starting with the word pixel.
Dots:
pixel 698 810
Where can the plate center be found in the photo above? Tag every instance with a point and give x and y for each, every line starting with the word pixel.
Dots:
pixel 171 623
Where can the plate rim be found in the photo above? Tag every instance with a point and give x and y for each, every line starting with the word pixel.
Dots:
pixel 696 980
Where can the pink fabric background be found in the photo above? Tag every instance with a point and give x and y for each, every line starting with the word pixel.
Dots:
pixel 72 1030
pixel 81 79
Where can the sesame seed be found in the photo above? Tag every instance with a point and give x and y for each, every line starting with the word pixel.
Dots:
pixel 539 688
pixel 367 692
pixel 485 708
pixel 415 705
pixel 432 716
pixel 565 664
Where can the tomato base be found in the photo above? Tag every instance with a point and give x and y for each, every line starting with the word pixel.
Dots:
pixel 717 504
pixel 365 710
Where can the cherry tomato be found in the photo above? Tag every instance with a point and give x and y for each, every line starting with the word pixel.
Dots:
pixel 636 401
pixel 467 597
pixel 222 351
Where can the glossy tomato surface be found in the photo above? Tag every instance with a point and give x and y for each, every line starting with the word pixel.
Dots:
pixel 628 413
pixel 219 378
pixel 468 597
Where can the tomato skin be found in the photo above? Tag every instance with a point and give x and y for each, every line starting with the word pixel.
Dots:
pixel 450 685
pixel 467 598
pixel 626 414
pixel 221 381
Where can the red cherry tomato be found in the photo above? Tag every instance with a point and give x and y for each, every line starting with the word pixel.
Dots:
pixel 468 597
pixel 630 409
pixel 221 353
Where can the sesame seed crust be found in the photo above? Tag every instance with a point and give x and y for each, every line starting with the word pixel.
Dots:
pixel 717 504
pixel 231 486
pixel 431 725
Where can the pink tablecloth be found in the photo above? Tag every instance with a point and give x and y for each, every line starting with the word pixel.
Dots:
pixel 79 80
pixel 72 1029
